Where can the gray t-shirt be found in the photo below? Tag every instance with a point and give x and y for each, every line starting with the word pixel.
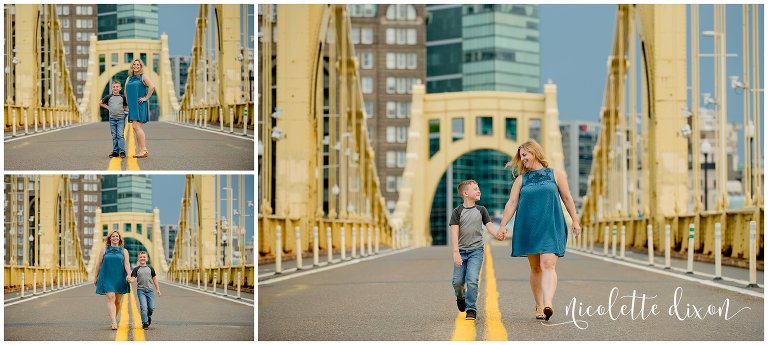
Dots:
pixel 470 222
pixel 144 275
pixel 116 104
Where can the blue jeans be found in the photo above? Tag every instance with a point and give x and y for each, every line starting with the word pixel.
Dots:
pixel 117 127
pixel 465 277
pixel 146 303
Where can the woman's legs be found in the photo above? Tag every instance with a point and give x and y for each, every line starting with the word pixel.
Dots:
pixel 538 293
pixel 140 137
pixel 118 300
pixel 548 277
pixel 111 307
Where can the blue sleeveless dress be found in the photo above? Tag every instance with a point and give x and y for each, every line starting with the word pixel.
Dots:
pixel 539 222
pixel 134 90
pixel 112 273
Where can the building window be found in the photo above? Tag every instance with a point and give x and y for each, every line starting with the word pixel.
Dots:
pixel 66 9
pixel 366 60
pixel 434 137
pixel 367 35
pixel 402 134
pixel 391 134
pixel 457 128
pixel 391 36
pixel 412 62
pixel 391 184
pixel 65 23
pixel 391 157
pixel 362 10
pixel 391 205
pixel 115 59
pixel 391 110
pixel 484 125
pixel 401 159
pixel 368 109
pixel 403 110
pixel 411 38
pixel 138 228
pixel 127 227
pixel 355 33
pixel 534 129
pixel 367 85
pixel 391 61
pixel 510 128
pixel 75 187
pixel 391 84
pixel 401 12
pixel 65 37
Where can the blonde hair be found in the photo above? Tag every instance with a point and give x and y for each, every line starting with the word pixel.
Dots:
pixel 115 81
pixel 534 149
pixel 130 70
pixel 464 184
pixel 109 243
pixel 142 252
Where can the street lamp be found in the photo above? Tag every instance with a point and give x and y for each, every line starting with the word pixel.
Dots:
pixel 706 149
pixel 31 250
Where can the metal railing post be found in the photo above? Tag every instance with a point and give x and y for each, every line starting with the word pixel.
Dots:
pixel 650 244
pixel 315 248
pixel 623 241
pixel 279 250
pixel 690 249
pixel 752 254
pixel 667 250
pixel 718 253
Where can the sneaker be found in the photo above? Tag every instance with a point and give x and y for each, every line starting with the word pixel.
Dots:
pixel 471 315
pixel 113 154
pixel 461 303
pixel 122 154
pixel 145 325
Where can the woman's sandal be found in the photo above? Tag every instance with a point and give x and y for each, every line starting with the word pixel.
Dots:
pixel 114 326
pixel 540 312
pixel 548 313
pixel 142 154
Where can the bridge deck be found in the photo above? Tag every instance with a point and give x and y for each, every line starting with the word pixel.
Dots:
pixel 408 296
pixel 171 147
pixel 80 314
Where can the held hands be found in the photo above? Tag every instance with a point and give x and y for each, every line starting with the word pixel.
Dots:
pixel 142 99
pixel 501 235
pixel 129 279
pixel 457 259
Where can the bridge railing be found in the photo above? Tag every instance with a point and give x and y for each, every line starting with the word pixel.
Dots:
pixel 226 275
pixel 734 238
pixel 26 120
pixel 231 117
pixel 30 276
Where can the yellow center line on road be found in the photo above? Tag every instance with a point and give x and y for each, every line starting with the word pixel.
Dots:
pixel 116 164
pixel 138 331
pixel 122 329
pixel 465 330
pixel 494 328
pixel 133 163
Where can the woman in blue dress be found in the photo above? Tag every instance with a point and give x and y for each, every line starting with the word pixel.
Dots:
pixel 138 89
pixel 539 230
pixel 113 274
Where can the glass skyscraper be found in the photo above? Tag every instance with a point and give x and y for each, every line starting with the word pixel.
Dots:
pixel 496 48
pixel 128 21
pixel 126 193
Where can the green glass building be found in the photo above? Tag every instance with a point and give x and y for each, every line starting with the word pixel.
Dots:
pixel 496 48
pixel 126 193
pixel 128 21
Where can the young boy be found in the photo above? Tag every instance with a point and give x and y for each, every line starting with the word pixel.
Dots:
pixel 118 107
pixel 145 277
pixel 467 240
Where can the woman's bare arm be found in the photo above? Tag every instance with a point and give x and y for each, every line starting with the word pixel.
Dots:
pixel 511 207
pixel 565 195
pixel 98 266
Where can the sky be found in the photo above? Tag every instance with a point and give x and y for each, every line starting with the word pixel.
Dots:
pixel 167 191
pixel 178 22
pixel 574 52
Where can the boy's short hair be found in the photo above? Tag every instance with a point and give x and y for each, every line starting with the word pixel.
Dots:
pixel 142 252
pixel 464 184
pixel 116 82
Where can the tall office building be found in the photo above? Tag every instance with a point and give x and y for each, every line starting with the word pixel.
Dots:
pixel 126 193
pixel 169 232
pixel 86 198
pixel 13 219
pixel 495 48
pixel 389 43
pixel 78 23
pixel 118 21
pixel 179 72
pixel 579 139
